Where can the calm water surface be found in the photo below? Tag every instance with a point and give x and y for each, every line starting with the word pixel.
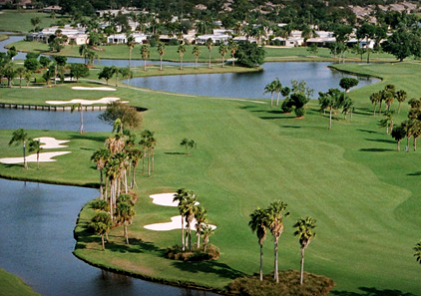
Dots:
pixel 251 85
pixel 37 243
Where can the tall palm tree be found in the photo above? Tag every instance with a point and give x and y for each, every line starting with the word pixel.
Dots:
pixel 20 71
pixel 125 213
pixel 35 146
pixel 401 96
pixel 375 99
pixel 134 155
pixel 209 45
pixel 180 196
pixel 196 52
pixel 130 43
pixel 83 51
pixel 145 53
pixel 277 85
pixel 275 223
pixel 223 51
pixel 112 172
pixel 20 136
pixel 101 223
pixel 201 216
pixel 28 75
pixel 161 52
pixel 188 205
pixel 270 88
pixel 206 232
pixel 181 50
pixel 80 108
pixel 388 121
pixel 257 224
pixel 101 156
pixel 233 47
pixel 304 229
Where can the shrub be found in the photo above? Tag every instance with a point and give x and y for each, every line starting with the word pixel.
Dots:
pixel 287 106
pixel 125 198
pixel 174 42
pixel 175 253
pixel 100 205
pixel 300 111
pixel 289 285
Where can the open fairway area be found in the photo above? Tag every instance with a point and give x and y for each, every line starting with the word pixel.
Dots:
pixel 361 191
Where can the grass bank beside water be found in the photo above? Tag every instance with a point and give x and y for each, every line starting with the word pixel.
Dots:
pixel 351 179
pixel 11 285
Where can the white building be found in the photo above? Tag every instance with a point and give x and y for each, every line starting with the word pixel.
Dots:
pixel 122 38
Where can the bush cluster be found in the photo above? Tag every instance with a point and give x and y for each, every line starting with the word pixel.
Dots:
pixel 175 253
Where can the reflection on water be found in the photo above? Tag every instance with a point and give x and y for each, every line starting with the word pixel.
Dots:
pixel 251 85
pixel 38 241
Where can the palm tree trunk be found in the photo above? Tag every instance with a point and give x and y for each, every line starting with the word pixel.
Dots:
pixel 302 267
pixel 144 65
pixel 195 63
pixel 101 197
pixel 198 238
pixel 102 241
pixel 125 233
pixel 271 100
pixel 399 108
pixel 149 163
pixel 153 160
pixel 183 246
pixel 407 143
pixel 374 112
pixel 277 99
pixel 261 262
pixel 330 118
pixel 160 64
pixel 209 64
pixel 415 143
pixel 25 165
pixel 38 154
pixel 143 161
pixel 81 119
pixel 380 108
pixel 276 273
pixel 399 146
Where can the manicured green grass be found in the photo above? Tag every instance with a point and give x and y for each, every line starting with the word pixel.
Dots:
pixel 351 179
pixel 11 285
pixel 20 21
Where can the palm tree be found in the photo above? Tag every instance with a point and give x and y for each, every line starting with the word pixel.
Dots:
pixel 134 155
pixel 257 224
pixel 188 144
pixel 331 100
pixel 387 122
pixel 101 157
pixel 130 43
pixel 417 250
pixel 196 52
pixel 223 51
pixel 209 45
pixel 270 88
pixel 35 145
pixel 401 96
pixel 398 133
pixel 304 229
pixel 112 172
pixel 233 47
pixel 188 205
pixel 145 52
pixel 161 51
pixel 375 99
pixel 80 108
pixel 277 85
pixel 274 220
pixel 181 50
pixel 206 232
pixel 83 51
pixel 180 196
pixel 101 223
pixel 20 136
pixel 21 73
pixel 28 75
pixel 125 213
pixel 201 216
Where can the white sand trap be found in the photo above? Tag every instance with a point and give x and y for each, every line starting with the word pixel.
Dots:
pixel 104 100
pixel 165 199
pixel 174 224
pixel 94 88
pixel 43 157
pixel 51 143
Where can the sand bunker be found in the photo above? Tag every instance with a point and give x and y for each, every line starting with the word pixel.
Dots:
pixel 165 199
pixel 43 157
pixel 105 100
pixel 51 143
pixel 174 224
pixel 94 88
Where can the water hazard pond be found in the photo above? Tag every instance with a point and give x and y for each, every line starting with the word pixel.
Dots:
pixel 318 76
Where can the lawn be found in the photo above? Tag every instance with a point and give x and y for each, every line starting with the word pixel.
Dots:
pixel 11 285
pixel 20 20
pixel 351 179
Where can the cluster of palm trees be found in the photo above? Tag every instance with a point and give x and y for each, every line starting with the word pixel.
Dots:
pixel 20 136
pixel 190 210
pixel 108 72
pixel 334 99
pixel 410 128
pixel 271 218
pixel 232 47
pixel 275 86
pixel 387 95
pixel 102 222
pixel 188 145
pixel 117 161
